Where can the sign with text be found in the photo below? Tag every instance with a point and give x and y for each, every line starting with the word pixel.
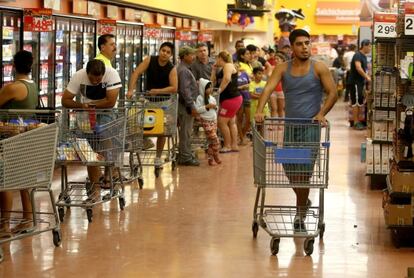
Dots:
pixel 409 19
pixel 38 20
pixel 337 12
pixel 385 25
pixel 107 26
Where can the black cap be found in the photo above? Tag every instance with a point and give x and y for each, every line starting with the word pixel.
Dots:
pixel 365 42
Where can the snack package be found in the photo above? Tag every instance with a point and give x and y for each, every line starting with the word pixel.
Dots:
pixel 85 150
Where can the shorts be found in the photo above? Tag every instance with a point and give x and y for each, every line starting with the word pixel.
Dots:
pixel 278 94
pixel 229 107
pixel 303 138
pixel 357 94
pixel 246 103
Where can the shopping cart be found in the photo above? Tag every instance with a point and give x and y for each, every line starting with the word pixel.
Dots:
pixel 160 120
pixel 27 156
pixel 133 138
pixel 290 153
pixel 94 138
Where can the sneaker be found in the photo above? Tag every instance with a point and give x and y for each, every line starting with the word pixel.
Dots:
pixel 158 163
pixel 148 144
pixel 299 223
pixel 191 162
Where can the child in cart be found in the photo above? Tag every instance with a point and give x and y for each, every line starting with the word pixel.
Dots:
pixel 206 106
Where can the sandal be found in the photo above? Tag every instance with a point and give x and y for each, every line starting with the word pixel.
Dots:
pixel 225 150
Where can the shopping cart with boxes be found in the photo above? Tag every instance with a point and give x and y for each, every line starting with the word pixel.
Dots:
pixel 134 108
pixel 27 155
pixel 94 138
pixel 160 120
pixel 290 153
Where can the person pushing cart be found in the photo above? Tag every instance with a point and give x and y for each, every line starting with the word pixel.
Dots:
pixel 304 81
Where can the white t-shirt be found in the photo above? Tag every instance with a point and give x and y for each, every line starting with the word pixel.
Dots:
pixel 348 58
pixel 80 84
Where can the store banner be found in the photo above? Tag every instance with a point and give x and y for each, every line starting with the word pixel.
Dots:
pixel 385 25
pixel 337 12
pixel 409 19
pixel 106 26
pixel 38 20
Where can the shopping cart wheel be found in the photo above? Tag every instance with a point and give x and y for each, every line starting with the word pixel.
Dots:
pixel 121 203
pixel 255 229
pixel 89 214
pixel 57 238
pixel 1 255
pixel 157 171
pixel 61 212
pixel 274 245
pixel 308 246
pixel 321 230
pixel 141 183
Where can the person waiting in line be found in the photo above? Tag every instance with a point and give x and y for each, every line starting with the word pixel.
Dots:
pixel 348 55
pixel 206 106
pixel 243 80
pixel 287 50
pixel 304 81
pixel 272 57
pixel 230 100
pixel 107 49
pixel 277 98
pixel 358 76
pixel 201 68
pixel 188 92
pixel 256 89
pixel 97 86
pixel 239 44
pixel 161 80
pixel 257 60
pixel 21 94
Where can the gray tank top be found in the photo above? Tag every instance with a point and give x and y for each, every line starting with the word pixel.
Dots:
pixel 303 94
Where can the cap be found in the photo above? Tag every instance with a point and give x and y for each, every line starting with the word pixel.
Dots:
pixel 365 42
pixel 185 50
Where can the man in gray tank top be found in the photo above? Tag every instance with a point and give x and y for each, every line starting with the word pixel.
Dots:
pixel 303 81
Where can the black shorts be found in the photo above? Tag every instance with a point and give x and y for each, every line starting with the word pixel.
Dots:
pixel 357 94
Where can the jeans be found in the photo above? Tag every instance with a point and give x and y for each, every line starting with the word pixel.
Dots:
pixel 185 127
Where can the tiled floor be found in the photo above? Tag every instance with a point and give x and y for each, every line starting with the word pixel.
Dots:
pixel 196 222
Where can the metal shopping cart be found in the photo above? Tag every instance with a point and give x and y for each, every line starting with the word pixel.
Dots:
pixel 133 138
pixel 94 138
pixel 290 153
pixel 27 156
pixel 160 120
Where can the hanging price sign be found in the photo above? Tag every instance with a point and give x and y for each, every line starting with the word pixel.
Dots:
pixel 38 20
pixel 107 26
pixel 409 19
pixel 385 25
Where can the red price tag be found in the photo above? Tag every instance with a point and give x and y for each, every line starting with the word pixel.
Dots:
pixel 38 20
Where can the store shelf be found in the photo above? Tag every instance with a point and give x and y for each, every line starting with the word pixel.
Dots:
pixel 382 142
pixel 385 108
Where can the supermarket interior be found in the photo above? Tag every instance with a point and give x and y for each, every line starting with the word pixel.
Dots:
pixel 227 138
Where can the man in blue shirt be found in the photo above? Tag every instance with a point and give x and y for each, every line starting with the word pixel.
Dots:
pixel 358 76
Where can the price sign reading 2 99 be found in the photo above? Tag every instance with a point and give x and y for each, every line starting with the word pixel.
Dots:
pixel 385 25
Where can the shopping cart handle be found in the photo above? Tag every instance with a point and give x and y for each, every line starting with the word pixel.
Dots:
pixel 268 143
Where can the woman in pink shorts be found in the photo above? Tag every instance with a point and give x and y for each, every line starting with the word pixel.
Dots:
pixel 230 100
pixel 277 98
